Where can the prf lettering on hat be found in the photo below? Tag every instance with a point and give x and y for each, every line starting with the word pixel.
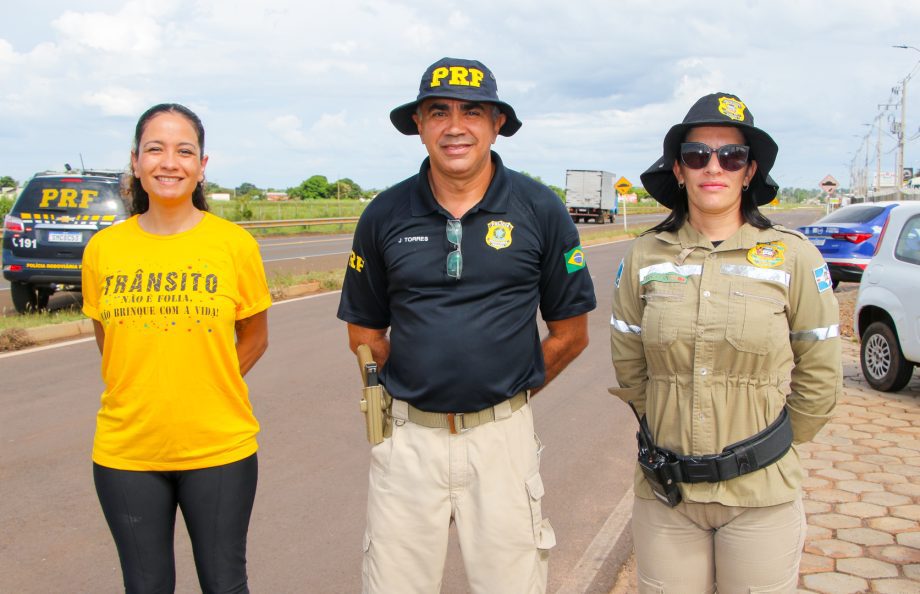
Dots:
pixel 464 77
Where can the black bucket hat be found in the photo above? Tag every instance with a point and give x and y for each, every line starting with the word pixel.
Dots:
pixel 455 78
pixel 717 109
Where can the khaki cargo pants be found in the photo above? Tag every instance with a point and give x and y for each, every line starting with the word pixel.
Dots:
pixel 486 480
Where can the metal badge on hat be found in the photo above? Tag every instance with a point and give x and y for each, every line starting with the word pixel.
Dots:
pixel 732 108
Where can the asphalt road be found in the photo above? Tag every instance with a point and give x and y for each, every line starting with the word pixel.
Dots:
pixel 297 255
pixel 308 520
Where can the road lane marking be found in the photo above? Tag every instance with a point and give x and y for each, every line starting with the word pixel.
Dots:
pixel 585 572
pixel 304 257
pixel 305 242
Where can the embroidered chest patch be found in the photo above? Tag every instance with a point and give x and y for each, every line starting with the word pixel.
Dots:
pixel 767 255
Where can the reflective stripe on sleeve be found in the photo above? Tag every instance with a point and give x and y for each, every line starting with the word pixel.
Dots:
pixel 766 274
pixel 666 267
pixel 816 334
pixel 621 326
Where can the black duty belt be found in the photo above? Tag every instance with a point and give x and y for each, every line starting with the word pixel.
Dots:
pixel 745 456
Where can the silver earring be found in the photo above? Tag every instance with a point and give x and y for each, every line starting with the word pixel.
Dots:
pixel 680 185
pixel 745 187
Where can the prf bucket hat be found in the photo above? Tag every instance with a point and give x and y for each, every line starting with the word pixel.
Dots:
pixel 717 109
pixel 454 78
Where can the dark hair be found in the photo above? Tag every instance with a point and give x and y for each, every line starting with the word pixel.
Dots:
pixel 137 195
pixel 749 211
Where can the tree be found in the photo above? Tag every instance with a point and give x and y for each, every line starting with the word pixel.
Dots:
pixel 559 191
pixel 346 189
pixel 8 182
pixel 246 188
pixel 215 188
pixel 800 195
pixel 314 188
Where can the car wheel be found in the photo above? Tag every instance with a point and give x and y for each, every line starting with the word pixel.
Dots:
pixel 883 365
pixel 25 297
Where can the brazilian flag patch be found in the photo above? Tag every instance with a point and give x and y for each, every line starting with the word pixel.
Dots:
pixel 574 259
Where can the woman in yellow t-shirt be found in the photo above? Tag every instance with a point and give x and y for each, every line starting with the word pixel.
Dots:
pixel 179 304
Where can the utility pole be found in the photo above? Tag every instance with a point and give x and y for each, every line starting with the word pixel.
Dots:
pixel 878 156
pixel 903 126
pixel 865 185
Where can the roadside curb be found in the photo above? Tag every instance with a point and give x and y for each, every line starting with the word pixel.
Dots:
pixel 52 332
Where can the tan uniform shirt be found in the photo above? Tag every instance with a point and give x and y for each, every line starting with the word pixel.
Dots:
pixel 711 343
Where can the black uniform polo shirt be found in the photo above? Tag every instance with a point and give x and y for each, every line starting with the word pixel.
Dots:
pixel 461 345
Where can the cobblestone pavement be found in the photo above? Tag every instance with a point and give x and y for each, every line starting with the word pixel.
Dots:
pixel 862 493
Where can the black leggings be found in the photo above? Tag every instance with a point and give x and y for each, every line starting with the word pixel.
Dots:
pixel 140 508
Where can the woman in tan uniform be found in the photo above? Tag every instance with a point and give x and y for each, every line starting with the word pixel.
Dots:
pixel 724 338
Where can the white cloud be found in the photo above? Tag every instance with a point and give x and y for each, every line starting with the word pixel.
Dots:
pixel 459 19
pixel 133 29
pixel 330 123
pixel 289 128
pixel 601 83
pixel 116 101
pixel 7 55
pixel 344 47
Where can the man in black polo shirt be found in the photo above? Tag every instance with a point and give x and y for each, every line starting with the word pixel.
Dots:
pixel 454 262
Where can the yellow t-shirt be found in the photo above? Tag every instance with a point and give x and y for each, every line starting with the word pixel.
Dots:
pixel 174 396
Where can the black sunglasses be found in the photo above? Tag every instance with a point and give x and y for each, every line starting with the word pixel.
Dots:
pixel 732 157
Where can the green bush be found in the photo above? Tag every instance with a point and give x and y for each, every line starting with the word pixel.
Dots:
pixel 280 211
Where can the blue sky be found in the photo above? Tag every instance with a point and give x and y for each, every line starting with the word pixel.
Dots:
pixel 291 89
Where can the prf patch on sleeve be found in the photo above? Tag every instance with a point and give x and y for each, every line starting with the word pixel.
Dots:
pixel 574 259
pixel 823 278
pixel 616 283
pixel 356 262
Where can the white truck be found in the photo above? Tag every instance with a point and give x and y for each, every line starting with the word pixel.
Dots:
pixel 590 195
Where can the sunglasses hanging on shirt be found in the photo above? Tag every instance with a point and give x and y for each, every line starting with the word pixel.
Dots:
pixel 455 257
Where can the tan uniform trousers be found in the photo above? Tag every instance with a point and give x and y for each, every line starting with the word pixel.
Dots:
pixel 710 547
pixel 486 480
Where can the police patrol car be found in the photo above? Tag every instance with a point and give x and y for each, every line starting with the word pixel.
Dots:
pixel 49 225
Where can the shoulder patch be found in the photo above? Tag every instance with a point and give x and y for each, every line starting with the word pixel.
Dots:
pixel 823 278
pixel 574 259
pixel 356 262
